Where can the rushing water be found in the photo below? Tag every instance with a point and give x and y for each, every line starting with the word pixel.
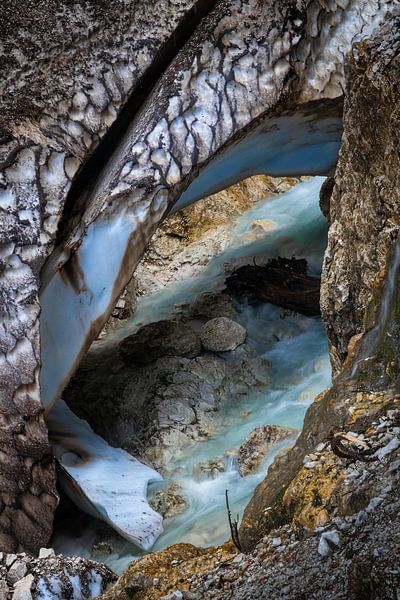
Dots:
pixel 296 347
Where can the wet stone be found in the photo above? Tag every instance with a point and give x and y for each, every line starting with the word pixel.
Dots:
pixel 222 335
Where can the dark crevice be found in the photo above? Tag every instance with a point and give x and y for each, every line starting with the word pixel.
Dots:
pixel 90 170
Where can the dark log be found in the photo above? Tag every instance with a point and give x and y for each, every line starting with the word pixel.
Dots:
pixel 283 282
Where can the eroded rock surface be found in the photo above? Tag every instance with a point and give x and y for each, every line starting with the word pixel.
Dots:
pixel 365 203
pixel 169 502
pixel 222 335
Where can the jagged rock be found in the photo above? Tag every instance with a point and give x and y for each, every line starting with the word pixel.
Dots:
pixel 329 542
pixel 169 502
pixel 222 334
pixel 163 338
pixel 46 552
pixel 17 571
pixel 258 443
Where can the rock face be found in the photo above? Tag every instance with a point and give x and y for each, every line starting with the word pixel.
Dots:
pixel 52 577
pixel 163 338
pixel 222 334
pixel 365 203
pixel 258 443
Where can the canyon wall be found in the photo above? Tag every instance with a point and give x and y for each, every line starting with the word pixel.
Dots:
pixel 365 204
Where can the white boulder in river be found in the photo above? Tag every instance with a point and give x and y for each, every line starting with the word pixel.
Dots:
pixel 222 334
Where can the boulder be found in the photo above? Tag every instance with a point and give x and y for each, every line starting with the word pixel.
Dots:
pixel 211 305
pixel 163 338
pixel 222 334
pixel 209 469
pixel 256 446
pixel 169 502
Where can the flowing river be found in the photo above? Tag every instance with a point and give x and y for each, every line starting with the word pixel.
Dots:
pixel 295 345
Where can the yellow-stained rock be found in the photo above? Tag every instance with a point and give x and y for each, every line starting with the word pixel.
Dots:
pixel 160 573
pixel 308 496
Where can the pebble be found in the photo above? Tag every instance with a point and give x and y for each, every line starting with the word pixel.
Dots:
pixel 238 559
pixel 388 449
pixel 177 595
pixel 10 558
pixel 361 518
pixel 17 571
pixel 276 542
pixel 394 466
pixel 311 464
pixel 328 542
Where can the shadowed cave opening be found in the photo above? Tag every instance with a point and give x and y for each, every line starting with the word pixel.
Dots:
pixel 285 351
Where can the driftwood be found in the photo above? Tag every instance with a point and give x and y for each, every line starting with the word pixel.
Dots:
pixel 233 524
pixel 282 281
pixel 355 449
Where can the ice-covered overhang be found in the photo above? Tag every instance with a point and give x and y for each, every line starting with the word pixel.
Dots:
pixel 81 294
pixel 305 141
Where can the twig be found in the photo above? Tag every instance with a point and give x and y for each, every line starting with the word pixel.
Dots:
pixel 233 525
